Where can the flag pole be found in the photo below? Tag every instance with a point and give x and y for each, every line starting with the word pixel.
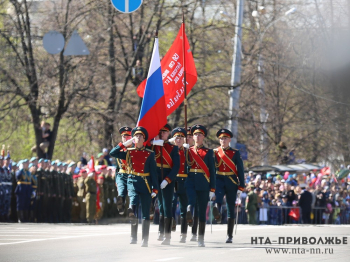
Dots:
pixel 184 65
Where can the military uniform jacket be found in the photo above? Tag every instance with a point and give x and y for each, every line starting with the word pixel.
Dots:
pixel 139 162
pixel 6 181
pixel 81 187
pixel 91 186
pixel 169 173
pixel 55 183
pixel 223 169
pixel 197 179
pixel 23 182
pixel 251 201
pixel 182 174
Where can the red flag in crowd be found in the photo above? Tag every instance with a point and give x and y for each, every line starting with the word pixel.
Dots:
pixel 173 73
pixel 294 214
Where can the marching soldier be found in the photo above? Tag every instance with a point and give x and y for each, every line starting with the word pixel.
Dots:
pixel 190 142
pixel 168 164
pixel 122 176
pixel 91 188
pixel 43 191
pixel 201 179
pixel 229 179
pixel 142 181
pixel 81 195
pixel 180 191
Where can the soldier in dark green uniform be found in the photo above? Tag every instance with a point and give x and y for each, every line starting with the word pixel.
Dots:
pixel 56 193
pixel 178 135
pixel 142 181
pixel 75 215
pixel 168 164
pixel 251 204
pixel 201 180
pixel 91 188
pixel 122 176
pixel 33 197
pixel 229 179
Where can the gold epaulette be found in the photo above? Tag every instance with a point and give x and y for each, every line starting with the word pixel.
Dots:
pixel 133 148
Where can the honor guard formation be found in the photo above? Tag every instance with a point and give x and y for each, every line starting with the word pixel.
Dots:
pixel 173 173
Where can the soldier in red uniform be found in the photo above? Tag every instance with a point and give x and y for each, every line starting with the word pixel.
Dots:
pixel 229 179
pixel 142 181
pixel 200 182
pixel 122 175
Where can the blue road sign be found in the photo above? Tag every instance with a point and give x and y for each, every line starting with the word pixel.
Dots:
pixel 243 151
pixel 126 6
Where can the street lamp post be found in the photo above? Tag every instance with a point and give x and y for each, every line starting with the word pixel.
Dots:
pixel 234 93
pixel 261 83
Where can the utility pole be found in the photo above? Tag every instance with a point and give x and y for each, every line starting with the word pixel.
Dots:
pixel 236 75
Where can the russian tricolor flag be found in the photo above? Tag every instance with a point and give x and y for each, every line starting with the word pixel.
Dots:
pixel 153 108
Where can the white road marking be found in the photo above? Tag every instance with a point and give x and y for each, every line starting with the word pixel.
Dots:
pixel 168 259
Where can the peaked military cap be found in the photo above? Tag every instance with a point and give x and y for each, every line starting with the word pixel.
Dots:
pixel 59 164
pixel 71 164
pixel 179 131
pixel 125 130
pixel 30 165
pixel 41 160
pixel 198 129
pixel 167 127
pixel 32 159
pixel 224 132
pixel 140 130
pixel 53 163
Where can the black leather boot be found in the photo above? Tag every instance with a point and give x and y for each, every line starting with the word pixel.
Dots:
pixel 145 232
pixel 230 225
pixel 167 231
pixel 20 216
pixel 173 224
pixel 133 239
pixel 120 205
pixel 194 229
pixel 183 230
pixel 132 214
pixel 217 213
pixel 189 216
pixel 161 229
pixel 201 232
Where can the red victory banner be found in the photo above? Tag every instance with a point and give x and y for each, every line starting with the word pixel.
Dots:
pixel 173 73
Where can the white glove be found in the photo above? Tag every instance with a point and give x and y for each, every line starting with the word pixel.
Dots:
pixel 100 204
pixel 153 195
pixel 108 201
pixel 186 146
pixel 34 194
pixel 84 200
pixel 211 195
pixel 239 192
pixel 115 200
pixel 158 142
pixel 172 140
pixel 129 142
pixel 163 184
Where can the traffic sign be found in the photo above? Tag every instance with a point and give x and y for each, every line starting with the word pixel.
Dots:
pixel 126 6
pixel 53 42
pixel 76 46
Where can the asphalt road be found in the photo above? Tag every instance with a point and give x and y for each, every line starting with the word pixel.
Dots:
pixel 75 242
